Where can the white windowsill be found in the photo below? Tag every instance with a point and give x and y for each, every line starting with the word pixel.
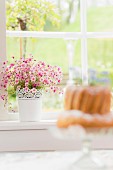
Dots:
pixel 17 125
pixel 29 136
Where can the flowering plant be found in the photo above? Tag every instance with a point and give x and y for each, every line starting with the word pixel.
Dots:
pixel 28 74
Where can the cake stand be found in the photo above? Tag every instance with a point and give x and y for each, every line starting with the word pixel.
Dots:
pixel 87 160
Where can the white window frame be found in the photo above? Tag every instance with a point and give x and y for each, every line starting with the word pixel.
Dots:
pixel 3 112
pixel 16 136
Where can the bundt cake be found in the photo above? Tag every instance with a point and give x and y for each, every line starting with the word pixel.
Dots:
pixel 85 120
pixel 90 99
pixel 86 106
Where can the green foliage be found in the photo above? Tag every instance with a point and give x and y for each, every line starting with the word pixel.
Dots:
pixel 31 14
pixel 100 19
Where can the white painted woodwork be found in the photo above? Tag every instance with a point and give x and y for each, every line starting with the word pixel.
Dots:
pixel 20 136
pixel 3 111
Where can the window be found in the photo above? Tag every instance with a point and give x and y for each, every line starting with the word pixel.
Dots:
pixel 82 26
pixel 60 43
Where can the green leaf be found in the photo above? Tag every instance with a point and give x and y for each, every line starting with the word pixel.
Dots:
pixel 34 13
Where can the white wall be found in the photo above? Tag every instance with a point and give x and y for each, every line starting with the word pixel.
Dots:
pixel 2 30
pixel 3 111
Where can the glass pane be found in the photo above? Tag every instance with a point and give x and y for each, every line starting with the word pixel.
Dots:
pixel 65 53
pixel 46 15
pixel 100 58
pixel 100 15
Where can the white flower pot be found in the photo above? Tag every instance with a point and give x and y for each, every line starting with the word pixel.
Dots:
pixel 30 107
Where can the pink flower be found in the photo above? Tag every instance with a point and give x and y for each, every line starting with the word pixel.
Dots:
pixel 34 85
pixel 40 74
pixel 46 81
pixel 6 69
pixel 8 75
pixel 26 89
pixel 4 86
pixel 27 80
pixel 26 84
pixel 33 78
pixel 29 59
pixel 11 65
pixel 38 84
pixel 6 81
pixel 2 97
pixel 33 90
pixel 29 74
pixel 59 68
pixel 16 81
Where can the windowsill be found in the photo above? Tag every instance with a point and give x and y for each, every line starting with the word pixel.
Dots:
pixel 29 136
pixel 17 125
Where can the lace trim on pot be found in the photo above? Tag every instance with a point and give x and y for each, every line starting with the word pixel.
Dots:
pixel 21 93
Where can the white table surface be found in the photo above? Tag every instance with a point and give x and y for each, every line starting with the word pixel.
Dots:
pixel 48 160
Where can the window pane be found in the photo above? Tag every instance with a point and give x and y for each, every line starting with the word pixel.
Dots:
pixel 100 57
pixel 100 15
pixel 65 53
pixel 53 51
pixel 47 15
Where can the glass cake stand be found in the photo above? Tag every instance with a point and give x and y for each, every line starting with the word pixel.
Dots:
pixel 87 160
